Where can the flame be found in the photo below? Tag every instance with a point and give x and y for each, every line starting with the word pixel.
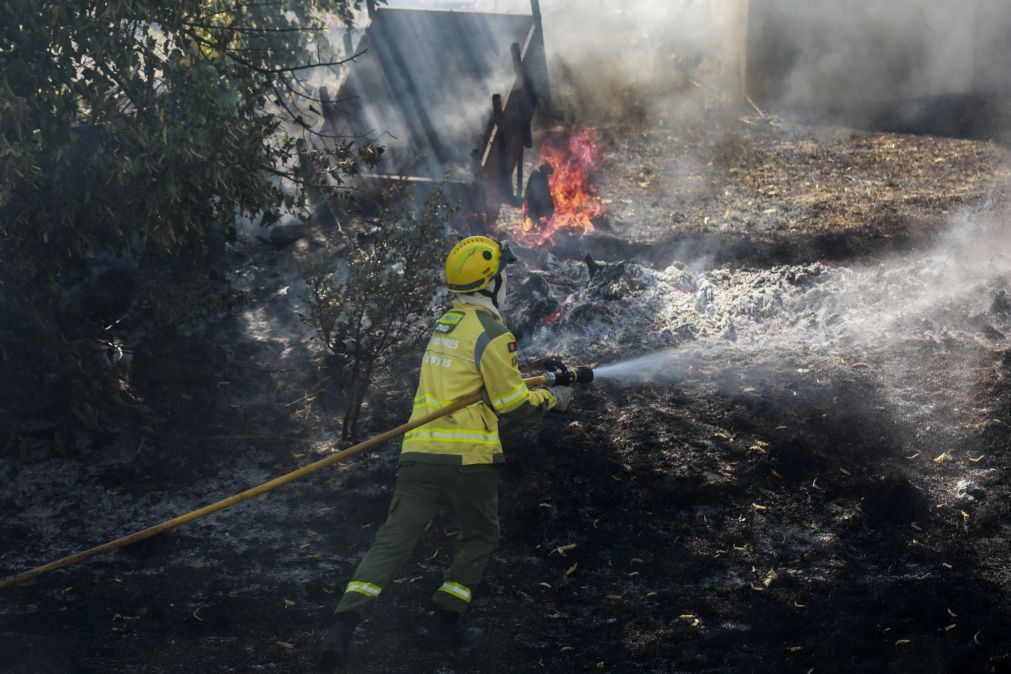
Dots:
pixel 548 320
pixel 573 161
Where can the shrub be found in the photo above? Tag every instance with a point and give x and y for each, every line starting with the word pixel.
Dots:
pixel 132 134
pixel 376 304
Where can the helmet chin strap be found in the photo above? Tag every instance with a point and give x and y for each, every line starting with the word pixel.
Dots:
pixel 497 284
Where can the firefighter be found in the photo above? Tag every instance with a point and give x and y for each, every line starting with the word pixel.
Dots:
pixel 454 460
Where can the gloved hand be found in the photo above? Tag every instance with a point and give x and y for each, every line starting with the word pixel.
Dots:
pixel 563 394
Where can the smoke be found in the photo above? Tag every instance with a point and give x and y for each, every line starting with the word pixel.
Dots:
pixel 606 61
pixel 632 61
pixel 422 85
pixel 855 60
pixel 861 62
pixel 852 60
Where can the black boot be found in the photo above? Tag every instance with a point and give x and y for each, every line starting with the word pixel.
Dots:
pixel 337 644
pixel 445 630
pixel 447 634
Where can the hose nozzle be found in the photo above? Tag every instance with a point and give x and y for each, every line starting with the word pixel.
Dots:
pixel 558 374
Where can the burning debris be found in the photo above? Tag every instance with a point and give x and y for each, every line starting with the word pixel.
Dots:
pixel 538 204
pixel 559 195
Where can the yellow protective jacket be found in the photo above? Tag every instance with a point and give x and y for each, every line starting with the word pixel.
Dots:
pixel 471 349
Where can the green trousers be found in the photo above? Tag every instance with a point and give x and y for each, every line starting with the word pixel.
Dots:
pixel 422 488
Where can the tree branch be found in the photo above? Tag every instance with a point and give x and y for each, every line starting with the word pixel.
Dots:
pixel 241 60
pixel 247 29
pixel 291 69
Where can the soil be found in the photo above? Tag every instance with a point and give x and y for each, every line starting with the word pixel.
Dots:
pixel 837 512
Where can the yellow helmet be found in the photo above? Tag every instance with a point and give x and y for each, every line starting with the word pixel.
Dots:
pixel 474 263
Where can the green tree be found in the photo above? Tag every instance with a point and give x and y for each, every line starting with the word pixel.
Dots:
pixel 136 125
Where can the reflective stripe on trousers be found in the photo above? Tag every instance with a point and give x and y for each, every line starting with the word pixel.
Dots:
pixel 457 590
pixel 368 589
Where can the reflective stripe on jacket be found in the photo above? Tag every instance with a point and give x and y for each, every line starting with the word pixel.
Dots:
pixel 470 350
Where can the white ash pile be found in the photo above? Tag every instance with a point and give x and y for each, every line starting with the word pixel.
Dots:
pixel 603 310
pixel 916 325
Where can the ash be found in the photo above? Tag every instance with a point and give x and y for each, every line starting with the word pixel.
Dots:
pixel 922 321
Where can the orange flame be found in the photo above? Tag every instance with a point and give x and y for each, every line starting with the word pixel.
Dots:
pixel 548 320
pixel 572 163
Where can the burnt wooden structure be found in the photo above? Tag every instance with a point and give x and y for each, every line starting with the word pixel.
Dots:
pixel 451 97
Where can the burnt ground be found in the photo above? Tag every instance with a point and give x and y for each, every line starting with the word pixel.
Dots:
pixel 801 524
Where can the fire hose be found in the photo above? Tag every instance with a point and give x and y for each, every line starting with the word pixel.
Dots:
pixel 557 375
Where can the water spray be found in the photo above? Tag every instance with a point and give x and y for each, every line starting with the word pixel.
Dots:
pixel 662 365
pixel 668 364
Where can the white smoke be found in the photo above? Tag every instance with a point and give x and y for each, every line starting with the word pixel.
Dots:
pixel 854 57
pixel 857 59
pixel 613 57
